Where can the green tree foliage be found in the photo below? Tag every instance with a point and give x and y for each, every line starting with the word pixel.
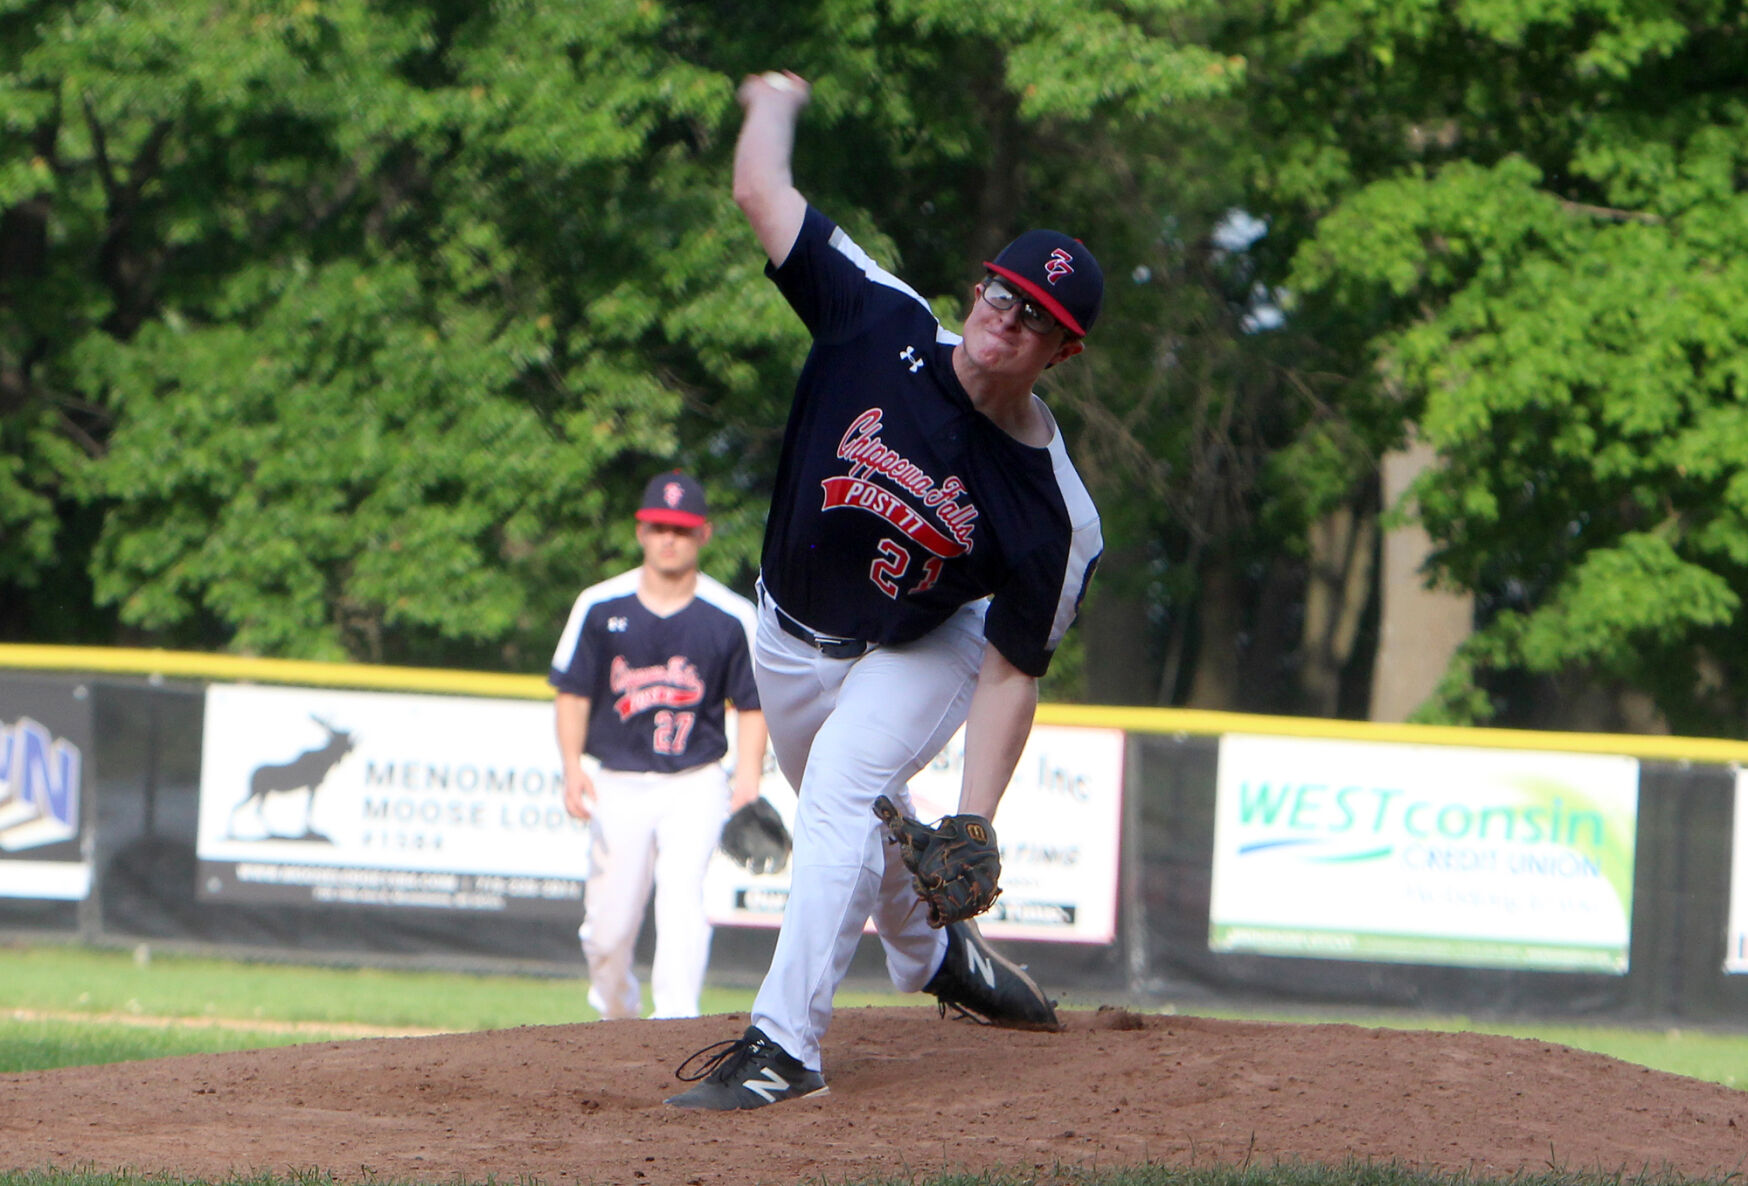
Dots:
pixel 355 327
pixel 370 302
pixel 1519 225
pixel 352 328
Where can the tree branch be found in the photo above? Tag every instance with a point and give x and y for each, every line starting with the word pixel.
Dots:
pixel 1610 213
pixel 100 151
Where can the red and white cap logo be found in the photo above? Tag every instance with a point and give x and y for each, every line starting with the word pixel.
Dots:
pixel 1059 272
pixel 673 498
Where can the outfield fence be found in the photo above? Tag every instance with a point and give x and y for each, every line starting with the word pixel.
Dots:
pixel 337 812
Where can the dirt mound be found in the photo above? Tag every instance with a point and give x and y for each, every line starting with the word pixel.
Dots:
pixel 910 1094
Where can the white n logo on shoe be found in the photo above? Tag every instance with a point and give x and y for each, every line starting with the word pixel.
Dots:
pixel 981 965
pixel 767 1087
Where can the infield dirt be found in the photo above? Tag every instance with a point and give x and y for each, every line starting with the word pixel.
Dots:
pixel 910 1095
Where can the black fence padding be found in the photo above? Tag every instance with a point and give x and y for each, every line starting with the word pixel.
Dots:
pixel 149 796
pixel 62 705
pixel 147 745
pixel 29 916
pixel 1681 895
pixel 148 815
pixel 1680 905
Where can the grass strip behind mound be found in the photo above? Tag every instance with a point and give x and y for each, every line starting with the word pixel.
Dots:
pixel 1352 1173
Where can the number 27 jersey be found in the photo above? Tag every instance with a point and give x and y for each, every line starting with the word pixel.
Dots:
pixel 897 501
pixel 656 685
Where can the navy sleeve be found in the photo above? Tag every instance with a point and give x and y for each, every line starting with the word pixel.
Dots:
pixel 581 672
pixel 1039 598
pixel 1023 611
pixel 822 283
pixel 738 684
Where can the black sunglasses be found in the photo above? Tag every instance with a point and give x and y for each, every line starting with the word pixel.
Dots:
pixel 1033 316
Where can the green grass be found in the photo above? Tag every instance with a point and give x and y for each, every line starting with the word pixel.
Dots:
pixel 97 981
pixel 1701 1054
pixel 259 1001
pixel 35 1045
pixel 83 1006
pixel 1715 1056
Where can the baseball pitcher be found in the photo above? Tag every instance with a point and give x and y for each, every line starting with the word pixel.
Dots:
pixel 927 547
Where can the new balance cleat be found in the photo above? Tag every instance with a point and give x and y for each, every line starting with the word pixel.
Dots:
pixel 979 984
pixel 746 1072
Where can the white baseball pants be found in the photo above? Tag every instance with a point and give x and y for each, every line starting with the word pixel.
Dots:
pixel 846 731
pixel 644 828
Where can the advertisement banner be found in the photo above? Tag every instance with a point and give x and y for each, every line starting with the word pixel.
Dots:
pixel 45 740
pixel 1058 828
pixel 1736 941
pixel 374 799
pixel 1423 854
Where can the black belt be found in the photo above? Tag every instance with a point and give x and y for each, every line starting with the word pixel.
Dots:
pixel 828 645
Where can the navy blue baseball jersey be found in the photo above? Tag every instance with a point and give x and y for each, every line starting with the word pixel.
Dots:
pixel 897 501
pixel 656 685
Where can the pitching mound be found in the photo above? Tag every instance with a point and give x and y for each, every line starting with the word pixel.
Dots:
pixel 910 1094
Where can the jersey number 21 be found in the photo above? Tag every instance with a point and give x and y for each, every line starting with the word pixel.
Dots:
pixel 893 562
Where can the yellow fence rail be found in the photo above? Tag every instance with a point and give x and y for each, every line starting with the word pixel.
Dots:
pixel 190 665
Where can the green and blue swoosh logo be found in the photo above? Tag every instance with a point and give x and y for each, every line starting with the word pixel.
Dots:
pixel 1318 852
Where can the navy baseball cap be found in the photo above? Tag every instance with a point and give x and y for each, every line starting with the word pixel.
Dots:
pixel 675 498
pixel 1058 272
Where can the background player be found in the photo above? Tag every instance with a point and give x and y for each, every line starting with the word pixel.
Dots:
pixel 927 547
pixel 643 668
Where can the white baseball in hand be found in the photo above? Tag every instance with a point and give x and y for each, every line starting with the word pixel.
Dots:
pixel 779 81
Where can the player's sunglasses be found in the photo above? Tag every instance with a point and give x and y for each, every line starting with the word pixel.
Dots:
pixel 998 296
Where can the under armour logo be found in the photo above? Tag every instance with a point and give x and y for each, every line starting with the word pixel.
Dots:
pixel 909 355
pixel 618 625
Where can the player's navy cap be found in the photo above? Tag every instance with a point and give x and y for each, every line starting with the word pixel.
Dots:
pixel 1058 272
pixel 675 498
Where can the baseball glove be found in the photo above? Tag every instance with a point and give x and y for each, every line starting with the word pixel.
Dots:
pixel 955 864
pixel 754 837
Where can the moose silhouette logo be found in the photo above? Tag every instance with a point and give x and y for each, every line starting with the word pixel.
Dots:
pixel 305 773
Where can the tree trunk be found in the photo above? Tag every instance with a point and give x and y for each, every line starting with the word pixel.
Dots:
pixel 1420 628
pixel 1114 629
pixel 1219 622
pixel 1343 544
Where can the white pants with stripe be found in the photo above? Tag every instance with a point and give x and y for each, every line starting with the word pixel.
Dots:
pixel 846 731
pixel 646 828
